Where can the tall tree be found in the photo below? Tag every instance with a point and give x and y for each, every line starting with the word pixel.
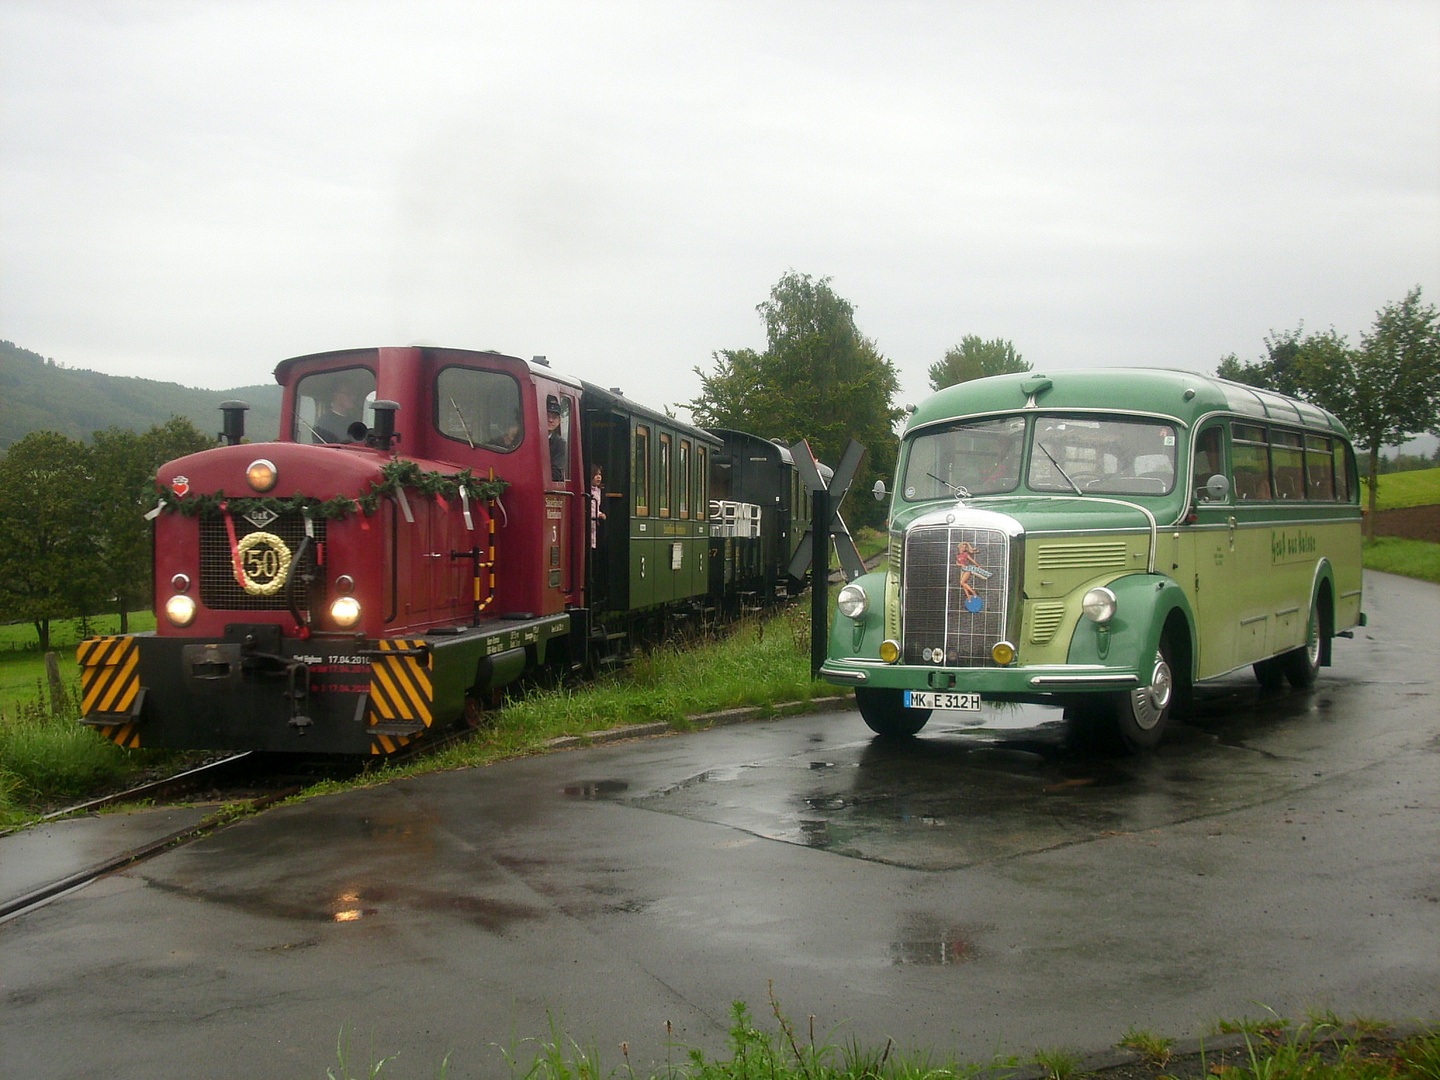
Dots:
pixel 47 559
pixel 975 359
pixel 1385 391
pixel 124 464
pixel 819 379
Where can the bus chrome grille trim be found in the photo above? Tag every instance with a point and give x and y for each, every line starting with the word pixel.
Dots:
pixel 956 595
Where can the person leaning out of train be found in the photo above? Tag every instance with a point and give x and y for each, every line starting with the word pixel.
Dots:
pixel 559 451
pixel 597 500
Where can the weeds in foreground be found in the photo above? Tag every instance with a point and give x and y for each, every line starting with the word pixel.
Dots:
pixel 1321 1048
pixel 1153 1048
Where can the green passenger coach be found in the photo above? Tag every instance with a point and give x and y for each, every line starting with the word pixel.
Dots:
pixel 1102 540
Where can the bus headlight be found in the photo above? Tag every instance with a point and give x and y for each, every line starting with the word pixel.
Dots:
pixel 852 602
pixel 1003 653
pixel 889 651
pixel 1099 605
pixel 180 610
pixel 261 475
pixel 345 612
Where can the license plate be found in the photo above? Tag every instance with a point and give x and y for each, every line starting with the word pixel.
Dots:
pixel 924 699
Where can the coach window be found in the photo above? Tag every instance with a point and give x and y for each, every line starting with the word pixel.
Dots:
pixel 684 478
pixel 663 480
pixel 1287 459
pixel 1251 454
pixel 478 408
pixel 641 472
pixel 328 403
pixel 1319 469
pixel 1209 460
pixel 702 493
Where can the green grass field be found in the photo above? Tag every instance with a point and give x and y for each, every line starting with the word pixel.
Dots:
pixel 1399 490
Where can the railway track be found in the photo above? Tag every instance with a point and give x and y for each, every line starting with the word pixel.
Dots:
pixel 231 782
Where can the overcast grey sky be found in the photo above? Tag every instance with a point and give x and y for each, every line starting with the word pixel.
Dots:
pixel 193 191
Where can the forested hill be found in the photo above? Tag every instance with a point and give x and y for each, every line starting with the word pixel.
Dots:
pixel 37 394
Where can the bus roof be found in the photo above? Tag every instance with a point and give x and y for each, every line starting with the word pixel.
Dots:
pixel 1182 395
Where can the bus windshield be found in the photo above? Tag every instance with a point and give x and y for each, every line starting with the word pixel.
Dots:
pixel 1076 454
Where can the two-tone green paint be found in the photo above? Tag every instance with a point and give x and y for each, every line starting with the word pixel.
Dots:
pixel 1230 582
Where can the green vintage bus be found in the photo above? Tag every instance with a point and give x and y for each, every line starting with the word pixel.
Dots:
pixel 1102 540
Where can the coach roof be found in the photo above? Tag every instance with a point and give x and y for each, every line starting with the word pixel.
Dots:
pixel 1181 395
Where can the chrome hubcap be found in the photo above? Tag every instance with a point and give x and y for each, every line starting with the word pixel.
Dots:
pixel 1151 701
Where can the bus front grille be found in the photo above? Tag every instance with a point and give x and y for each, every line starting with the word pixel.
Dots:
pixel 955 595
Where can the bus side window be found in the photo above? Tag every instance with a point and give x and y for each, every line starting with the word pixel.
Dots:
pixel 1287 455
pixel 1252 462
pixel 1209 460
pixel 1319 473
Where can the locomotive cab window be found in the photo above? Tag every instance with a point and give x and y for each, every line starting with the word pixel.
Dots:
pixel 479 408
pixel 329 405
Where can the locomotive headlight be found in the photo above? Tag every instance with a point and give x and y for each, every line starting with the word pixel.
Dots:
pixel 1099 605
pixel 261 475
pixel 180 610
pixel 852 602
pixel 889 651
pixel 345 612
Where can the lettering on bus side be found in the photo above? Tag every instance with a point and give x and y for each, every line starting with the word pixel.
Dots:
pixel 1292 545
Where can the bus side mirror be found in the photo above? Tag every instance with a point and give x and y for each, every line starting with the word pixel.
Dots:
pixel 879 491
pixel 1217 488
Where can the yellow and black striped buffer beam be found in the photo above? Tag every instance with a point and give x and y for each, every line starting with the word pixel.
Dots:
pixel 110 691
pixel 401 693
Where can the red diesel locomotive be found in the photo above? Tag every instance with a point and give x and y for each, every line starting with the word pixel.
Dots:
pixel 353 586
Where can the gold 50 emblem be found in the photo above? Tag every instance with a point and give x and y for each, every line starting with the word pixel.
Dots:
pixel 264 563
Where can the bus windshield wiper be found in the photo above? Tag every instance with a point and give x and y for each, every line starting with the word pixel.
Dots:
pixel 1062 472
pixel 955 489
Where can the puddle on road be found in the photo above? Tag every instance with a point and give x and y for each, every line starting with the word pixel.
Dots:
pixel 597 789
pixel 961 795
pixel 927 941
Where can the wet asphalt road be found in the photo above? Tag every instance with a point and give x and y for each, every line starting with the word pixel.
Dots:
pixel 973 890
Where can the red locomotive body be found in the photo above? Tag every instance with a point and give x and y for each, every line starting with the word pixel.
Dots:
pixel 339 590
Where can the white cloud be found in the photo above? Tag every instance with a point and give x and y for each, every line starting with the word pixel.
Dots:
pixel 194 191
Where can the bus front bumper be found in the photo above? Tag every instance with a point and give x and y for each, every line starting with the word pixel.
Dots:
pixel 998 681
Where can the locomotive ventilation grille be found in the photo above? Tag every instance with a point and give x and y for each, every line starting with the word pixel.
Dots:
pixel 219 590
pixel 956 594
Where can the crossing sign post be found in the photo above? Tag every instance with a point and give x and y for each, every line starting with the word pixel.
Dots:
pixel 826 526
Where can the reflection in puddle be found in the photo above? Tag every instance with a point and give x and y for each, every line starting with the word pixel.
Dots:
pixel 597 789
pixel 927 941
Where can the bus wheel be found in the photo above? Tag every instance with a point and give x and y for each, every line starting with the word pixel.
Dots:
pixel 1142 715
pixel 1302 665
pixel 884 714
pixel 1270 674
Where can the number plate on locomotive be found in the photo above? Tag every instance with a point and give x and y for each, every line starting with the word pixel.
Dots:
pixel 923 699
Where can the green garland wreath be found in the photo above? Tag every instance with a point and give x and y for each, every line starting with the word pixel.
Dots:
pixel 394 475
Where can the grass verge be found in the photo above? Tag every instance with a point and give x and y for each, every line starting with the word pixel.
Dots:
pixel 1319 1049
pixel 1396 555
pixel 47 758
